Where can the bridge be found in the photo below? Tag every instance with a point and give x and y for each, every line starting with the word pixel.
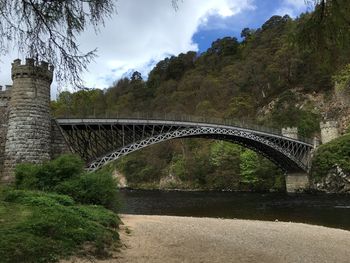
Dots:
pixel 101 141
pixel 28 134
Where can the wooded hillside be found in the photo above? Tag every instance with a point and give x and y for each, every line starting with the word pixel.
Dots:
pixel 271 77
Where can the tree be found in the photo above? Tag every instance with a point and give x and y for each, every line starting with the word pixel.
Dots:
pixel 226 46
pixel 249 166
pixel 205 109
pixel 224 158
pixel 136 76
pixel 48 29
pixel 247 33
pixel 241 107
pixel 327 26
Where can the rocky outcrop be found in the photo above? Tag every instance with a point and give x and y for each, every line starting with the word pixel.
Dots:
pixel 121 179
pixel 335 107
pixel 336 181
pixel 169 182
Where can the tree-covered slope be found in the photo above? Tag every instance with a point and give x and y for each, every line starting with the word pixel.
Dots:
pixel 269 77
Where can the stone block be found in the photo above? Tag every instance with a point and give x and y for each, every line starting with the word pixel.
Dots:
pixel 297 182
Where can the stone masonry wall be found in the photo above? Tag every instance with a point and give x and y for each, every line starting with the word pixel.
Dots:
pixel 290 132
pixel 29 129
pixel 297 182
pixel 58 143
pixel 329 131
pixel 5 96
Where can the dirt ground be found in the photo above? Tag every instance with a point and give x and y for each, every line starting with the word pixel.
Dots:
pixel 167 239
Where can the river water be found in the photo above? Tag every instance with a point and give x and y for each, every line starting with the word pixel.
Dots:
pixel 317 209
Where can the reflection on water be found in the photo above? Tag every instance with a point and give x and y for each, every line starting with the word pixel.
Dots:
pixel 318 209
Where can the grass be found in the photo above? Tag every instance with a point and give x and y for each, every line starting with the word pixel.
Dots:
pixel 57 211
pixel 42 227
pixel 12 214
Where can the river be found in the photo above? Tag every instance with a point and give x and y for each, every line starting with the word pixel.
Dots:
pixel 317 209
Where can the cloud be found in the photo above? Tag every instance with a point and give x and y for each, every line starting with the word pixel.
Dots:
pixel 148 31
pixel 141 33
pixel 292 7
pixel 300 4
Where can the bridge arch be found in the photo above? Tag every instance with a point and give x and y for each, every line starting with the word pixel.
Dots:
pixel 101 141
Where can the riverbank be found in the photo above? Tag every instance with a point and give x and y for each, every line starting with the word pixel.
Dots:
pixel 159 239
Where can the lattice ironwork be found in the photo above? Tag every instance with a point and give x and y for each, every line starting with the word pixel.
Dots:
pixel 100 141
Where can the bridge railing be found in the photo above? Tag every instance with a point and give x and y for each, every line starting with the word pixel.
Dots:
pixel 245 124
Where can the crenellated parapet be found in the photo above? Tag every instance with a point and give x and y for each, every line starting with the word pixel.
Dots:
pixel 32 69
pixel 5 95
pixel 329 131
pixel 290 132
pixel 5 89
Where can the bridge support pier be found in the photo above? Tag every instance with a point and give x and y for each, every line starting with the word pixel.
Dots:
pixel 296 182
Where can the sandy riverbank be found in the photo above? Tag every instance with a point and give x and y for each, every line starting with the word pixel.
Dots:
pixel 159 239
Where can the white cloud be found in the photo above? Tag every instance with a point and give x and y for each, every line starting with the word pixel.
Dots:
pixel 292 7
pixel 300 4
pixel 144 31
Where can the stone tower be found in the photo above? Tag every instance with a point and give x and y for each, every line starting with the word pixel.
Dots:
pixel 5 96
pixel 329 131
pixel 29 127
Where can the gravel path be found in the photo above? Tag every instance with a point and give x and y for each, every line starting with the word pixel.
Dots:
pixel 167 239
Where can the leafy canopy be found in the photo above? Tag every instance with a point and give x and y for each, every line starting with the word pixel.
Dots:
pixel 47 30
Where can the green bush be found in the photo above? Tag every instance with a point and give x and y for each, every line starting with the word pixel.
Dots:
pixel 336 152
pixel 66 175
pixel 99 188
pixel 98 214
pixel 37 198
pixel 178 167
pixel 46 227
pixel 46 176
pixel 16 246
pixel 138 170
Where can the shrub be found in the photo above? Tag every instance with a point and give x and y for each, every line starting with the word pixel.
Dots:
pixel 65 175
pixel 98 188
pixel 99 214
pixel 336 152
pixel 51 227
pixel 138 170
pixel 16 246
pixel 46 176
pixel 37 198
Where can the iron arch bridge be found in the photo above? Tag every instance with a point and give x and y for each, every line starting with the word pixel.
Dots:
pixel 101 141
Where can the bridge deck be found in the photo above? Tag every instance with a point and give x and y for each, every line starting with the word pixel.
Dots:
pixel 99 141
pixel 240 126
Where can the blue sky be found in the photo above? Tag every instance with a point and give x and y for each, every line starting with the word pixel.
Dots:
pixel 219 27
pixel 145 32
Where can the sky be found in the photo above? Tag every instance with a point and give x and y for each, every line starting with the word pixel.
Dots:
pixel 144 32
